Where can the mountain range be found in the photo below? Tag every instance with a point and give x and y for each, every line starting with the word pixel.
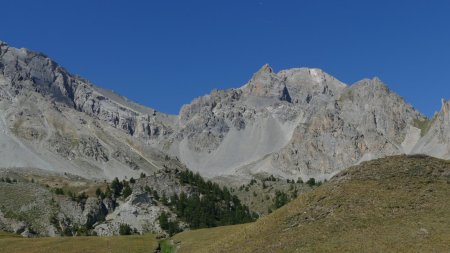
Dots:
pixel 297 123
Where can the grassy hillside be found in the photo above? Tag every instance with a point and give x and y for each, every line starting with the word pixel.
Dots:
pixel 119 244
pixel 396 204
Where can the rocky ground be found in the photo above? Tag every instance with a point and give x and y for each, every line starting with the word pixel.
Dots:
pixel 31 205
pixel 35 202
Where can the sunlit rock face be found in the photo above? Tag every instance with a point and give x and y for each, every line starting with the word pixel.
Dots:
pixel 299 122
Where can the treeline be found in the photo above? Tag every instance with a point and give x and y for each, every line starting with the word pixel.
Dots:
pixel 8 180
pixel 171 227
pixel 208 205
pixel 80 198
pixel 282 198
pixel 205 205
pixel 117 189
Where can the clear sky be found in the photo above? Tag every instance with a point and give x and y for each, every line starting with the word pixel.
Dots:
pixel 165 53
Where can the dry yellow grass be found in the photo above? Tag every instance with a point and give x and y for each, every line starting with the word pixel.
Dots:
pixel 396 204
pixel 118 244
pixel 6 235
pixel 191 241
pixel 75 185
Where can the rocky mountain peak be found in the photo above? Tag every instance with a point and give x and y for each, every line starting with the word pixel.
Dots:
pixel 264 69
pixel 265 83
pixel 436 134
pixel 3 47
pixel 445 106
pixel 372 86
pixel 310 76
pixel 376 81
pixel 443 119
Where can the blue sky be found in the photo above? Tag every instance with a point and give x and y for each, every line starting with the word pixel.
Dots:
pixel 165 53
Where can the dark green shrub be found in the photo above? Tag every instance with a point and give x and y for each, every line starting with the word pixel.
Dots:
pixel 311 182
pixel 59 191
pixel 125 229
pixel 280 200
pixel 126 191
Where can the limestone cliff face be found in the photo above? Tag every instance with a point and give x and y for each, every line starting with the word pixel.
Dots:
pixel 27 71
pixel 53 120
pixel 267 84
pixel 366 121
pixel 226 130
pixel 300 122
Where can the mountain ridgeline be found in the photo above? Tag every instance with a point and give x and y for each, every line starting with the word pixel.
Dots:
pixel 299 122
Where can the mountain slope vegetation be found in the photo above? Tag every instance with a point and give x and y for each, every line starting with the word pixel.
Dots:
pixel 394 204
pixel 37 203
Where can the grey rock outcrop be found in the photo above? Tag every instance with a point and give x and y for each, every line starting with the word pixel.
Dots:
pixel 139 212
pixel 366 121
pixel 28 71
pixel 35 208
pixel 436 137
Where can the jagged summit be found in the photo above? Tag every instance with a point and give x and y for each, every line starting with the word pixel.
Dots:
pixel 265 69
pixel 291 84
pixel 375 81
pixel 445 106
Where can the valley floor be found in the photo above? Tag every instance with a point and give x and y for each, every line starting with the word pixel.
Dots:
pixel 395 204
pixel 118 244
pixel 192 241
